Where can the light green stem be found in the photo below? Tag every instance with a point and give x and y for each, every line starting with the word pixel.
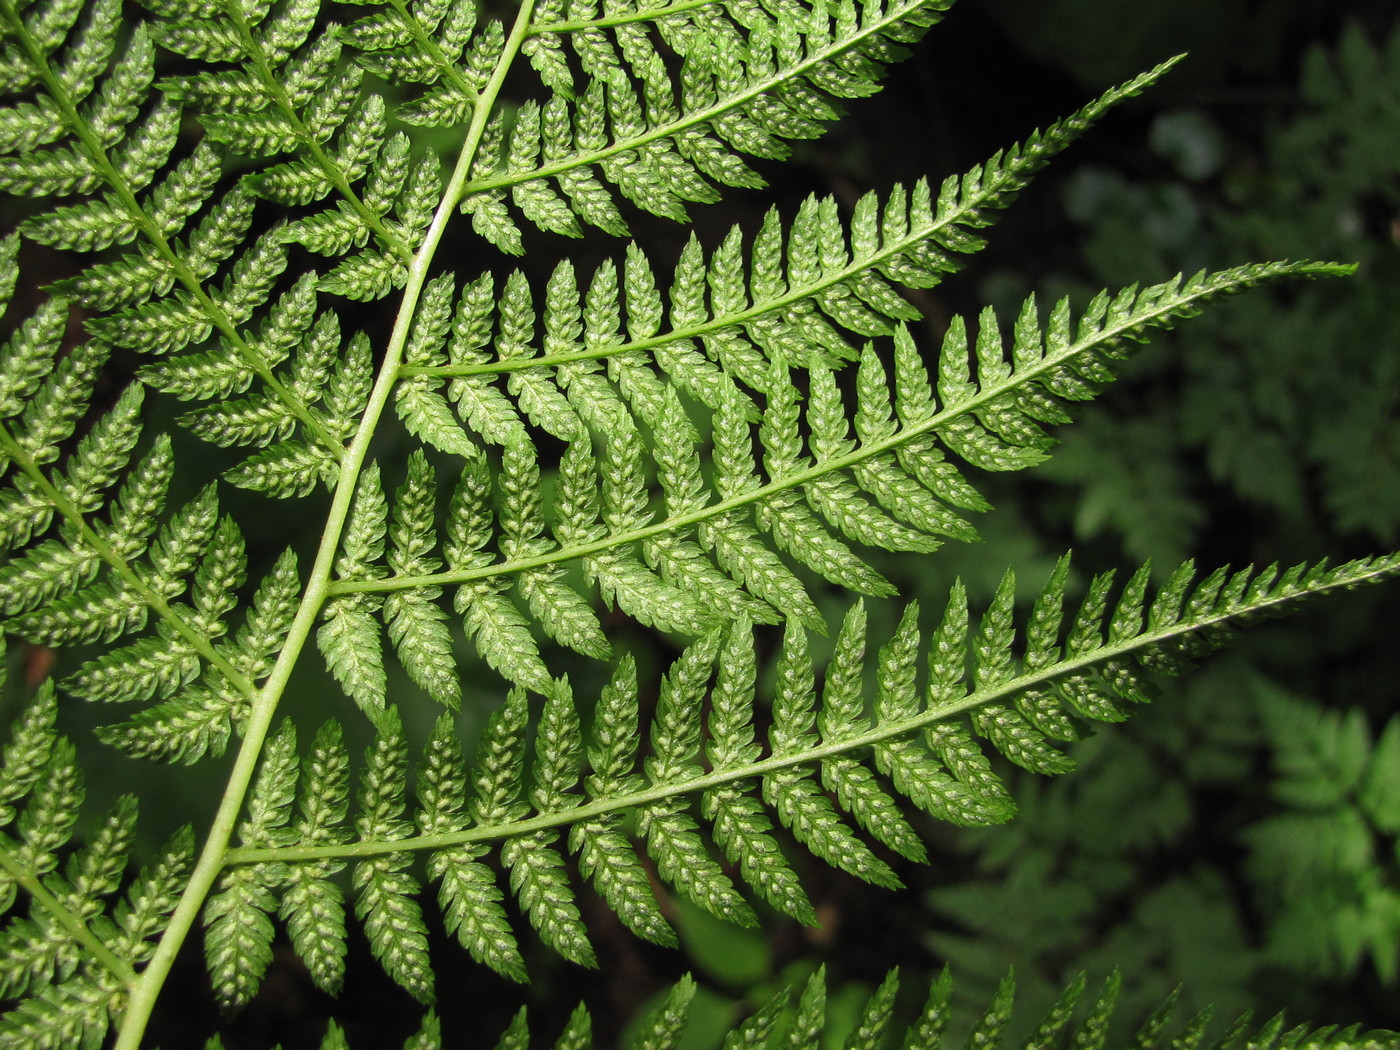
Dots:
pixel 649 14
pixel 214 856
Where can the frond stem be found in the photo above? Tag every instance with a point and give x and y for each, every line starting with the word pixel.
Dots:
pixel 214 855
pixel 650 14
pixel 1370 570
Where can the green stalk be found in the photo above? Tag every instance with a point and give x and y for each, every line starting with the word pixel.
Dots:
pixel 214 856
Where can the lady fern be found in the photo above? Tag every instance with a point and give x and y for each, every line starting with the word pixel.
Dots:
pixel 707 451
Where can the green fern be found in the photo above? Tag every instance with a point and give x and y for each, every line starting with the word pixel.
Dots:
pixel 711 454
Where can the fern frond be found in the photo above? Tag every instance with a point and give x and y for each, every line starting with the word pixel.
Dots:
pixel 1336 801
pixel 107 579
pixel 802 289
pixel 747 81
pixel 313 905
pixel 161 296
pixel 66 964
pixel 691 450
pixel 735 97
pixel 924 742
pixel 292 93
pixel 821 490
pixel 47 590
pixel 289 93
pixel 118 564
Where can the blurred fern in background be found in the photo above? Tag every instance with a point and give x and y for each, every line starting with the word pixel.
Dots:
pixel 1241 431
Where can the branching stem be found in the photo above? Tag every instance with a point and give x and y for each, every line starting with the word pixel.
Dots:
pixel 649 14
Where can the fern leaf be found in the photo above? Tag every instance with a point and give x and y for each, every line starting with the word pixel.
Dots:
pixel 76 1014
pixel 890 484
pixel 604 851
pixel 652 150
pixel 66 963
pixel 112 577
pixel 607 858
pixel 427 415
pixel 116 141
pixel 472 911
pixel 155 893
pixel 313 906
pixel 537 879
pixel 682 860
pixel 695 449
pixel 384 890
pixel 239 917
pixel 743 833
pixel 924 735
pixel 467 891
pixel 27 751
pixel 384 903
pixel 42 951
pixel 238 944
pixel 350 641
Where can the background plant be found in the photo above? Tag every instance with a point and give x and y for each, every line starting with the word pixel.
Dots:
pixel 301 407
pixel 1186 481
